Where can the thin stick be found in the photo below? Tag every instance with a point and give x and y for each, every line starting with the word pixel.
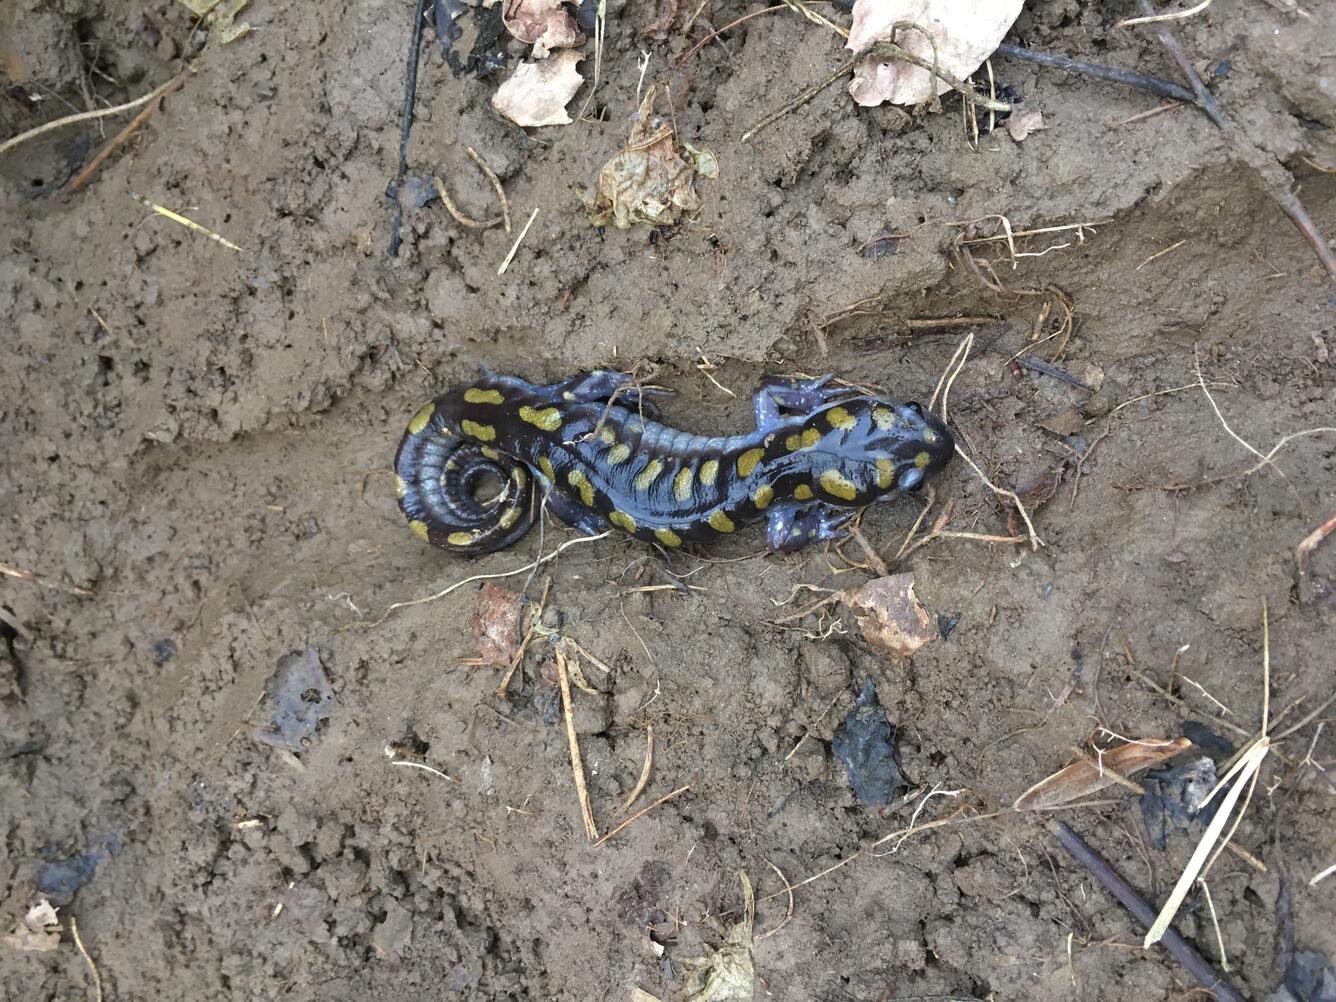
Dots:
pixel 516 246
pixel 1141 81
pixel 878 50
pixel 1113 882
pixel 1171 16
pixel 496 183
pixel 406 121
pixel 37 579
pixel 92 967
pixel 454 210
pixel 488 577
pixel 1035 541
pixel 1323 875
pixel 641 813
pixel 573 740
pixel 1304 551
pixel 644 769
pixel 85 116
pixel 788 915
pixel 1204 98
pixel 1219 939
pixel 80 179
pixel 425 768
pixel 1158 254
pixel 189 224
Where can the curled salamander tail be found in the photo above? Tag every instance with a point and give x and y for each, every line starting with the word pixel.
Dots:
pixel 457 494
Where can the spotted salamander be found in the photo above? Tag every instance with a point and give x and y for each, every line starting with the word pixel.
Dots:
pixel 820 452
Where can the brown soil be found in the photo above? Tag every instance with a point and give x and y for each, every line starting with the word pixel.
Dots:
pixel 200 439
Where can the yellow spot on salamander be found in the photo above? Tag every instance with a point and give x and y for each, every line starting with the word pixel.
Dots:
pixel 682 484
pixel 619 454
pixel 520 477
pixel 840 418
pixel 476 395
pixel 545 465
pixel 762 496
pixel 708 471
pixel 400 486
pixel 922 460
pixel 581 483
pixel 648 475
pixel 836 483
pixel 567 395
pixel 607 436
pixel 490 453
pixel 929 436
pixel 802 492
pixel 418 529
pixel 747 462
pixel 720 522
pixel 461 538
pixel 884 419
pixel 421 418
pixel 806 440
pixel 485 432
pixel 667 537
pixel 623 520
pixel 548 419
pixel 510 517
pixel 885 473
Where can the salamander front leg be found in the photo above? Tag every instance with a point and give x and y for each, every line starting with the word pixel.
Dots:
pixel 791 527
pixel 599 386
pixel 778 393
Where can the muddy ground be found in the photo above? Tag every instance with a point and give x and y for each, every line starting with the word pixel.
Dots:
pixel 195 459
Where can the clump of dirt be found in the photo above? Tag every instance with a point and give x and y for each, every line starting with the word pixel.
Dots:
pixel 195 485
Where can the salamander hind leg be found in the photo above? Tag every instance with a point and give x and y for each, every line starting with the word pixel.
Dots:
pixel 574 514
pixel 791 527
pixel 778 393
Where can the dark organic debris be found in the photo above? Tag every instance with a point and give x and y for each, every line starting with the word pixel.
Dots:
pixel 1206 739
pixel 865 745
pixel 60 880
pixel 1309 978
pixel 1175 797
pixel 304 697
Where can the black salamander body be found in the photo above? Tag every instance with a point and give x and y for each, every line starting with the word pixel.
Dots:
pixel 819 453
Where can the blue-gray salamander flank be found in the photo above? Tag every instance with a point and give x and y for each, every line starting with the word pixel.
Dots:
pixel 820 452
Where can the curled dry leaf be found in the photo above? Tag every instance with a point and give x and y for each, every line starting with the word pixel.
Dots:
pixel 544 24
pixel 648 181
pixel 1022 123
pixel 1082 778
pixel 957 35
pixel 39 932
pixel 727 973
pixel 496 624
pixel 891 618
pixel 537 93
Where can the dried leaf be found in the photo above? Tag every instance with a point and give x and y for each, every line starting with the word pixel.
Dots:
pixel 532 21
pixel 537 93
pixel 957 36
pixel 889 615
pixel 496 624
pixel 1022 123
pixel 640 995
pixel 702 159
pixel 647 182
pixel 1082 778
pixel 727 973
pixel 39 932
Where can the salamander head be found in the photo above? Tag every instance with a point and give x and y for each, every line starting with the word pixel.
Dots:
pixel 917 442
